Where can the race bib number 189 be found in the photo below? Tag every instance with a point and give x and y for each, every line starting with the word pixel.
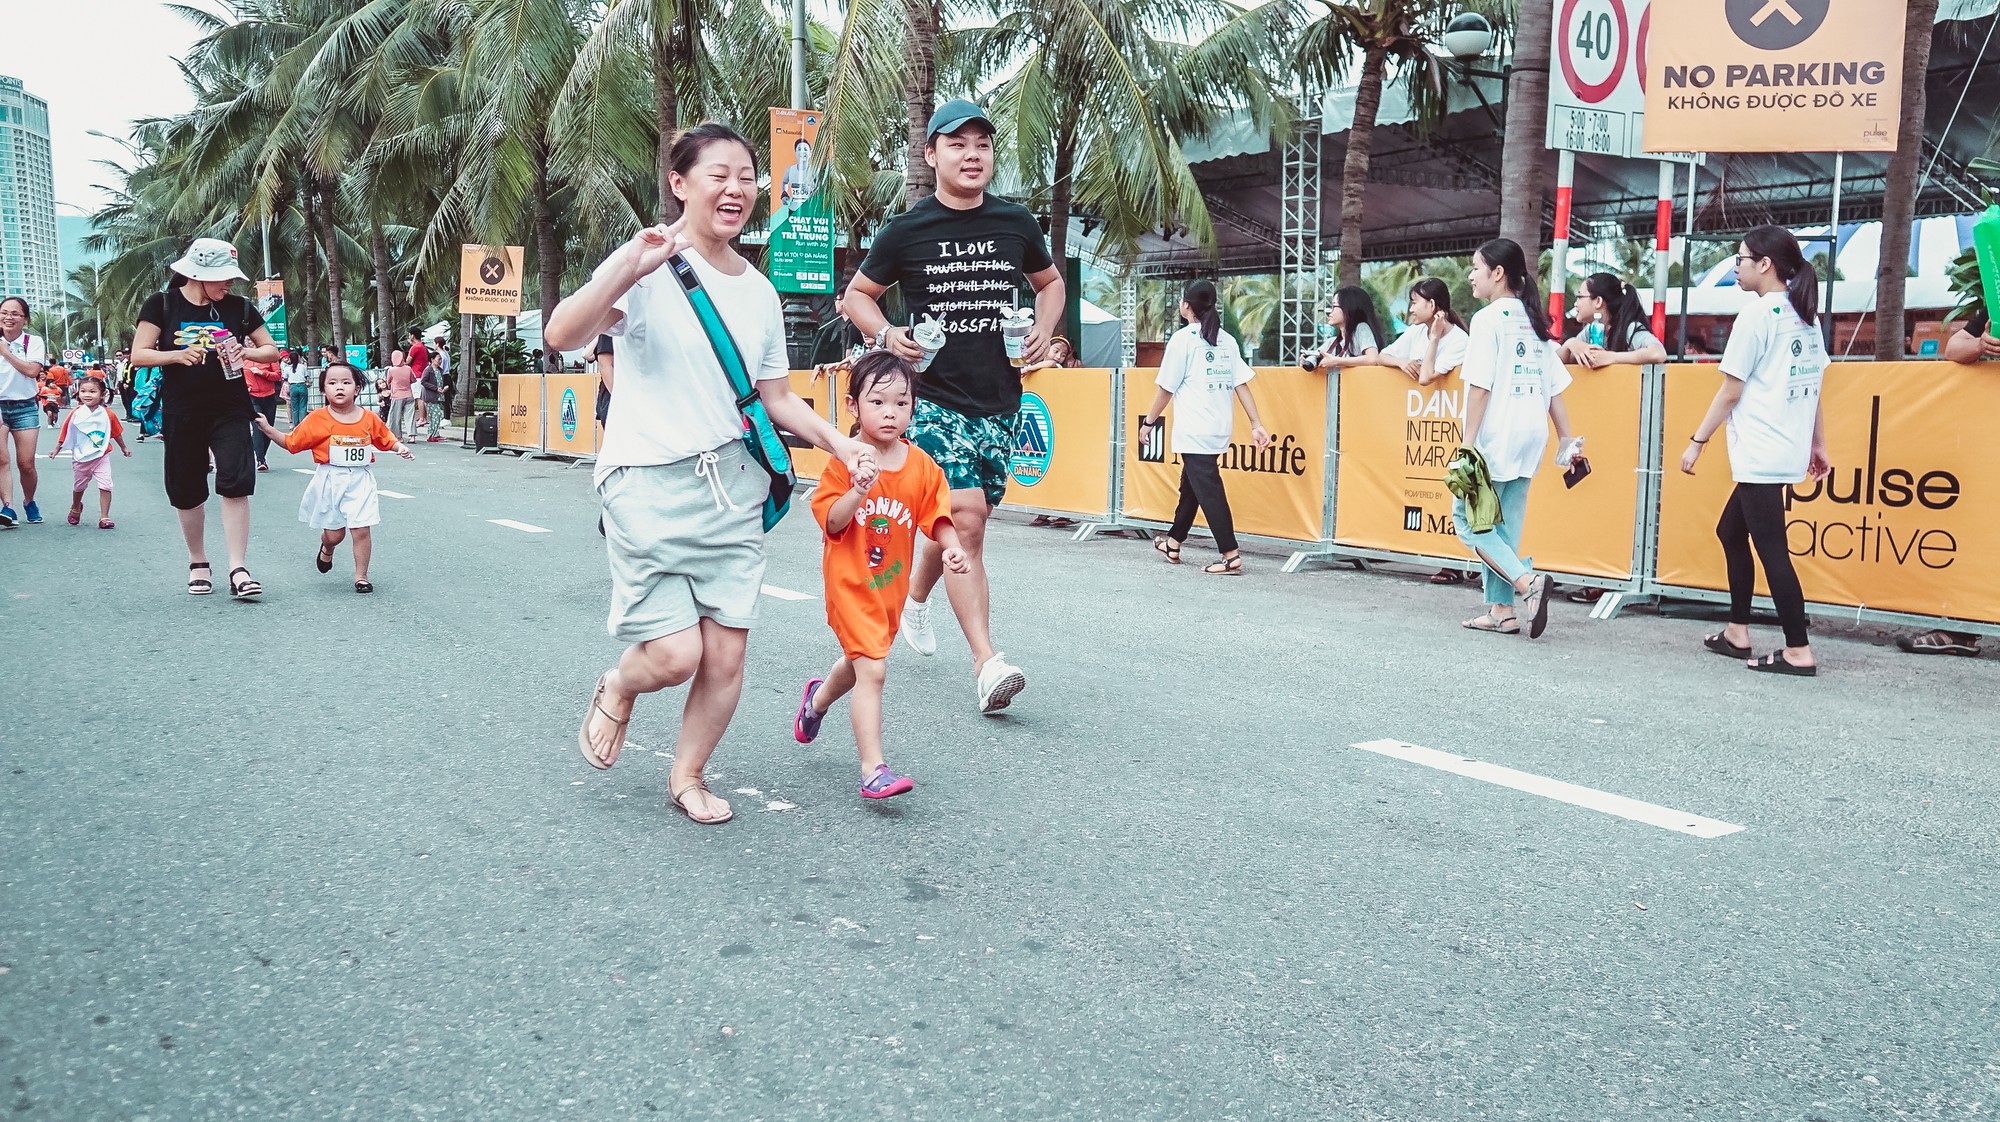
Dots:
pixel 349 455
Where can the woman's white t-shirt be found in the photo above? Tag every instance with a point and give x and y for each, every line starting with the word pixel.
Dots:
pixel 1203 379
pixel 1524 373
pixel 1415 342
pixel 673 399
pixel 14 385
pixel 1781 361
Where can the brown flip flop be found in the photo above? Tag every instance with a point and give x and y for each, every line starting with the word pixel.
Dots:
pixel 680 805
pixel 583 734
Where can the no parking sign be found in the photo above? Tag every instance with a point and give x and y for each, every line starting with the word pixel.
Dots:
pixel 1597 96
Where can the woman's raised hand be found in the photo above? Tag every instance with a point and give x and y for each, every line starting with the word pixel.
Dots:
pixel 653 245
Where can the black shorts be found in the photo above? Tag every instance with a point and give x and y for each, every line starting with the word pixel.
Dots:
pixel 190 439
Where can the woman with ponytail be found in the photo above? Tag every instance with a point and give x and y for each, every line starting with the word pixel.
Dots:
pixel 1434 344
pixel 1514 381
pixel 1772 368
pixel 1357 332
pixel 1611 326
pixel 1202 370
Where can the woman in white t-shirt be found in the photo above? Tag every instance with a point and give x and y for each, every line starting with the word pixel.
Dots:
pixel 1514 382
pixel 23 358
pixel 1357 332
pixel 1772 369
pixel 1611 326
pixel 682 498
pixel 1434 344
pixel 1204 375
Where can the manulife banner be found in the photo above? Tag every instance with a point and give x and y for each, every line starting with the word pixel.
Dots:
pixel 800 253
pixel 1774 75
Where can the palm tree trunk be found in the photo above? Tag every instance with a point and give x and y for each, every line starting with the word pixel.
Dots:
pixel 919 92
pixel 1062 189
pixel 329 242
pixel 1354 171
pixel 670 59
pixel 1524 173
pixel 548 247
pixel 385 292
pixel 1899 196
pixel 308 271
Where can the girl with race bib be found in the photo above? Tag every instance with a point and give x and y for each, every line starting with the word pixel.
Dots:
pixel 1514 381
pixel 1772 368
pixel 87 435
pixel 343 438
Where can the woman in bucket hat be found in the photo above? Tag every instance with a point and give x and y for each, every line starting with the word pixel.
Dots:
pixel 199 334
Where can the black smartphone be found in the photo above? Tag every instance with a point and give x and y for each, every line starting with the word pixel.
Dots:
pixel 1578 468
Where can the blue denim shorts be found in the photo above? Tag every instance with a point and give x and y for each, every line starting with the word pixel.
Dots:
pixel 21 415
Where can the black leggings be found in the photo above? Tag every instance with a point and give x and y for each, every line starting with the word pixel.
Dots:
pixel 1755 515
pixel 1201 485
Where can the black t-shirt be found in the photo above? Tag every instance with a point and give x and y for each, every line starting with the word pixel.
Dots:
pixel 963 266
pixel 200 389
pixel 1977 324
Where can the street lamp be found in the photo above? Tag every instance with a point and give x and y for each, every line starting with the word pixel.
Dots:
pixel 1468 36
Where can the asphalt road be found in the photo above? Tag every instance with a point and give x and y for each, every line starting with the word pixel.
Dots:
pixel 329 856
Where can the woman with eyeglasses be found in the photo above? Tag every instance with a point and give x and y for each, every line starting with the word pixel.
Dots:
pixel 1772 369
pixel 1357 332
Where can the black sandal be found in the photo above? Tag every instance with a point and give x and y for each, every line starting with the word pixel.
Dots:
pixel 200 586
pixel 1447 576
pixel 1168 548
pixel 323 561
pixel 363 587
pixel 1227 567
pixel 245 588
pixel 1725 648
pixel 1776 663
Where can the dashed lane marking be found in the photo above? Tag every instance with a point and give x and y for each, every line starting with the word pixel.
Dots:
pixel 776 593
pixel 521 526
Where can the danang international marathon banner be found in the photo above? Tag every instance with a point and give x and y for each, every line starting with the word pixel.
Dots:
pixel 800 252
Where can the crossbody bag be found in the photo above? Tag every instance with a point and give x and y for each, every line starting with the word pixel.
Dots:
pixel 760 436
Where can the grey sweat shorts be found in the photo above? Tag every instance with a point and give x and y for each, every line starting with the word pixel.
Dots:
pixel 679 552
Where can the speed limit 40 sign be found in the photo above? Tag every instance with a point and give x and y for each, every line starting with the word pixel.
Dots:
pixel 1597 95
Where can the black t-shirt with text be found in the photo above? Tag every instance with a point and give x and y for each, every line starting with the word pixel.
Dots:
pixel 201 389
pixel 963 266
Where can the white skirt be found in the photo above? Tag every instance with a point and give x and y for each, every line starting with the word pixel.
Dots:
pixel 340 498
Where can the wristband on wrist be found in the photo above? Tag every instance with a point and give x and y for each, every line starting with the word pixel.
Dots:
pixel 1699 440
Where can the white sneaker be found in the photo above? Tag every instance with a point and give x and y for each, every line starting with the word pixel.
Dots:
pixel 917 628
pixel 999 682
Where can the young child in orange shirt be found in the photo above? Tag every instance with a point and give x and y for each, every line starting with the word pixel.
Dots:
pixel 871 526
pixel 341 496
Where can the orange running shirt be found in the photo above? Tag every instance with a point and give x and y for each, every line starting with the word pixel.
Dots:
pixel 867 565
pixel 344 443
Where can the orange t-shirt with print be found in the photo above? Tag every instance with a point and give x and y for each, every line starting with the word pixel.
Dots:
pixel 867 564
pixel 344 443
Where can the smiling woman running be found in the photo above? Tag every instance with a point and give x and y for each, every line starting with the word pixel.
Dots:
pixel 682 497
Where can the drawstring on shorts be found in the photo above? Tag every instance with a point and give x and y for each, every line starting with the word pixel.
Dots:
pixel 705 467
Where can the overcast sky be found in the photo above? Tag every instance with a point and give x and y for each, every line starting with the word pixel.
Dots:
pixel 99 64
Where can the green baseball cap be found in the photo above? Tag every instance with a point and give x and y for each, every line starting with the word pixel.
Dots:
pixel 954 115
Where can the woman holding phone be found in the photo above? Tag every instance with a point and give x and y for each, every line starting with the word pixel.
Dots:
pixel 1772 369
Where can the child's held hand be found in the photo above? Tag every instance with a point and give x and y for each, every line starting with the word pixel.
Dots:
pixel 956 561
pixel 403 450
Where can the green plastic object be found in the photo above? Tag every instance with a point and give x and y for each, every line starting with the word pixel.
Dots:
pixel 1986 242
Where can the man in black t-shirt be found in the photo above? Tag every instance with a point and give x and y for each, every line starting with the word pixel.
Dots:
pixel 960 255
pixel 199 334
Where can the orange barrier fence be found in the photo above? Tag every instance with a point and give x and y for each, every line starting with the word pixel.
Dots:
pixel 1279 492
pixel 520 411
pixel 569 402
pixel 1062 447
pixel 808 461
pixel 1909 520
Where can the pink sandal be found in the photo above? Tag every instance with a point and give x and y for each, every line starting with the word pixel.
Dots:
pixel 105 524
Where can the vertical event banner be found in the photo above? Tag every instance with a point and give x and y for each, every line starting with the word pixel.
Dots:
pixel 569 401
pixel 1396 439
pixel 489 280
pixel 1775 75
pixel 799 256
pixel 520 409
pixel 1279 492
pixel 1597 96
pixel 1909 519
pixel 1062 445
pixel 271 305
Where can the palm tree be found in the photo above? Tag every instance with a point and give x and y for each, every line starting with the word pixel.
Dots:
pixel 1899 197
pixel 1380 31
pixel 1523 158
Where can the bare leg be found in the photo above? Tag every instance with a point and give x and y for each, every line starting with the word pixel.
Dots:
pixel 647 667
pixel 6 466
pixel 24 451
pixel 103 502
pixel 711 702
pixel 364 548
pixel 193 522
pixel 236 530
pixel 76 504
pixel 865 709
pixel 839 681
pixel 971 597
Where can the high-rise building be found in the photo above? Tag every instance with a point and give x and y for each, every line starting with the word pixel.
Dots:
pixel 30 251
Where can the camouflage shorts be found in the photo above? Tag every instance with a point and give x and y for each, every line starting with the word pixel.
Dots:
pixel 973 451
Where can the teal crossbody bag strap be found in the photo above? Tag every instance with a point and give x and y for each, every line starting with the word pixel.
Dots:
pixel 760 436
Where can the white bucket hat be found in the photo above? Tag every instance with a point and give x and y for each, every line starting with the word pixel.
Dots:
pixel 209 259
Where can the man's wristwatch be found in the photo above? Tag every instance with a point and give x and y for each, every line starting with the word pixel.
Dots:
pixel 882 336
pixel 1147 422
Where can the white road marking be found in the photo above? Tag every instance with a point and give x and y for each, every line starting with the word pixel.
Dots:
pixel 1666 818
pixel 776 593
pixel 388 494
pixel 521 526
pixel 303 471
